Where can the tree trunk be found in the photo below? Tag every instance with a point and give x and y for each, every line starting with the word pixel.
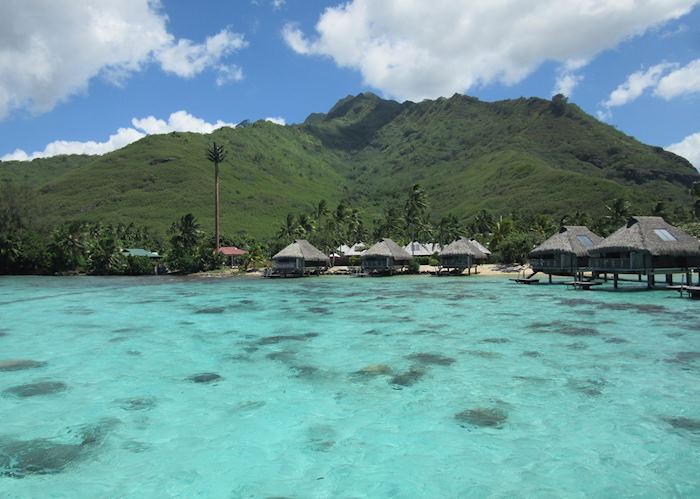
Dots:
pixel 216 208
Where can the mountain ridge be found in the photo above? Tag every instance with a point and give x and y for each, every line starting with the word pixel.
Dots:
pixel 525 154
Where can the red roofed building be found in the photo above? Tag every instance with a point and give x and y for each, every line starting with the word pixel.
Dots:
pixel 232 253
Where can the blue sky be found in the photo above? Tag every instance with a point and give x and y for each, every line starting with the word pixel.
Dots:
pixel 94 75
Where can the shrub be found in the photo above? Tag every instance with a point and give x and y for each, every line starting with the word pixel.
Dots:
pixel 139 265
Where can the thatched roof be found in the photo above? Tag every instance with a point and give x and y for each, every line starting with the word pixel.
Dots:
pixel 301 248
pixel 416 248
pixel 480 246
pixel 387 247
pixel 356 249
pixel 652 234
pixel 576 239
pixel 462 246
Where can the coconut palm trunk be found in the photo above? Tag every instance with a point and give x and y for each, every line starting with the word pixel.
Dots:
pixel 217 154
pixel 217 208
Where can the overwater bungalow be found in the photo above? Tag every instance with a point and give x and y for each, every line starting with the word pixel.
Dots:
pixel 298 259
pixel 460 255
pixel 647 246
pixel 385 257
pixel 565 253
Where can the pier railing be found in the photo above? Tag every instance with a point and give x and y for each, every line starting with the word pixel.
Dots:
pixel 611 263
pixel 543 263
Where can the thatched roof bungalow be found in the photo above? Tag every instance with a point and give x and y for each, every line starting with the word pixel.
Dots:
pixel 385 257
pixel 646 245
pixel 461 254
pixel 480 246
pixel 298 258
pixel 565 253
pixel 416 248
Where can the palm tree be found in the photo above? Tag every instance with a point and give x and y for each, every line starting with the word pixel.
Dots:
pixel 289 230
pixel 321 211
pixel 306 224
pixel 619 211
pixel 356 228
pixel 415 211
pixel 184 234
pixel 216 154
pixel 448 230
pixel 543 226
pixel 68 246
pixel 501 230
pixel 106 257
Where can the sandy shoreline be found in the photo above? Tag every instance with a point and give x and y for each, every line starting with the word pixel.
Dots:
pixel 488 270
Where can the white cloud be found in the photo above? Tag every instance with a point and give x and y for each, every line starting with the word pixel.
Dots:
pixel 685 80
pixel 566 82
pixel 295 39
pixel 636 84
pixel 689 148
pixel 187 59
pixel 278 4
pixel 667 80
pixel 180 121
pixel 415 49
pixel 50 51
pixel 277 120
pixel 228 73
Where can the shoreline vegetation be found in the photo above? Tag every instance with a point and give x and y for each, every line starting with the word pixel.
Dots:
pixel 29 246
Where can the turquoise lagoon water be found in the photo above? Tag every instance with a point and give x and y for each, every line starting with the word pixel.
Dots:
pixel 342 387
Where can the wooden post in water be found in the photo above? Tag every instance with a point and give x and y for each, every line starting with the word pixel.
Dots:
pixel 550 278
pixel 615 281
pixel 669 279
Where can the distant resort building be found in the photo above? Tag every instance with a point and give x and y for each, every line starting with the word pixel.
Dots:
pixel 646 246
pixel 140 252
pixel 460 255
pixel 422 249
pixel 344 253
pixel 298 259
pixel 385 257
pixel 232 253
pixel 565 253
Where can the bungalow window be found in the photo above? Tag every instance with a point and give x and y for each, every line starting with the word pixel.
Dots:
pixel 664 235
pixel 585 240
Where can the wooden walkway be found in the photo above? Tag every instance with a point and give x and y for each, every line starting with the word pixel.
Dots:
pixel 693 292
pixel 526 281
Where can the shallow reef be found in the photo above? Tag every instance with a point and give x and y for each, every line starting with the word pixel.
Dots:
pixel 489 417
pixel 35 389
pixel 205 377
pixel 431 358
pixel 20 364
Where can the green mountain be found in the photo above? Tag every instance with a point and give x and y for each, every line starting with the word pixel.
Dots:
pixel 529 155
